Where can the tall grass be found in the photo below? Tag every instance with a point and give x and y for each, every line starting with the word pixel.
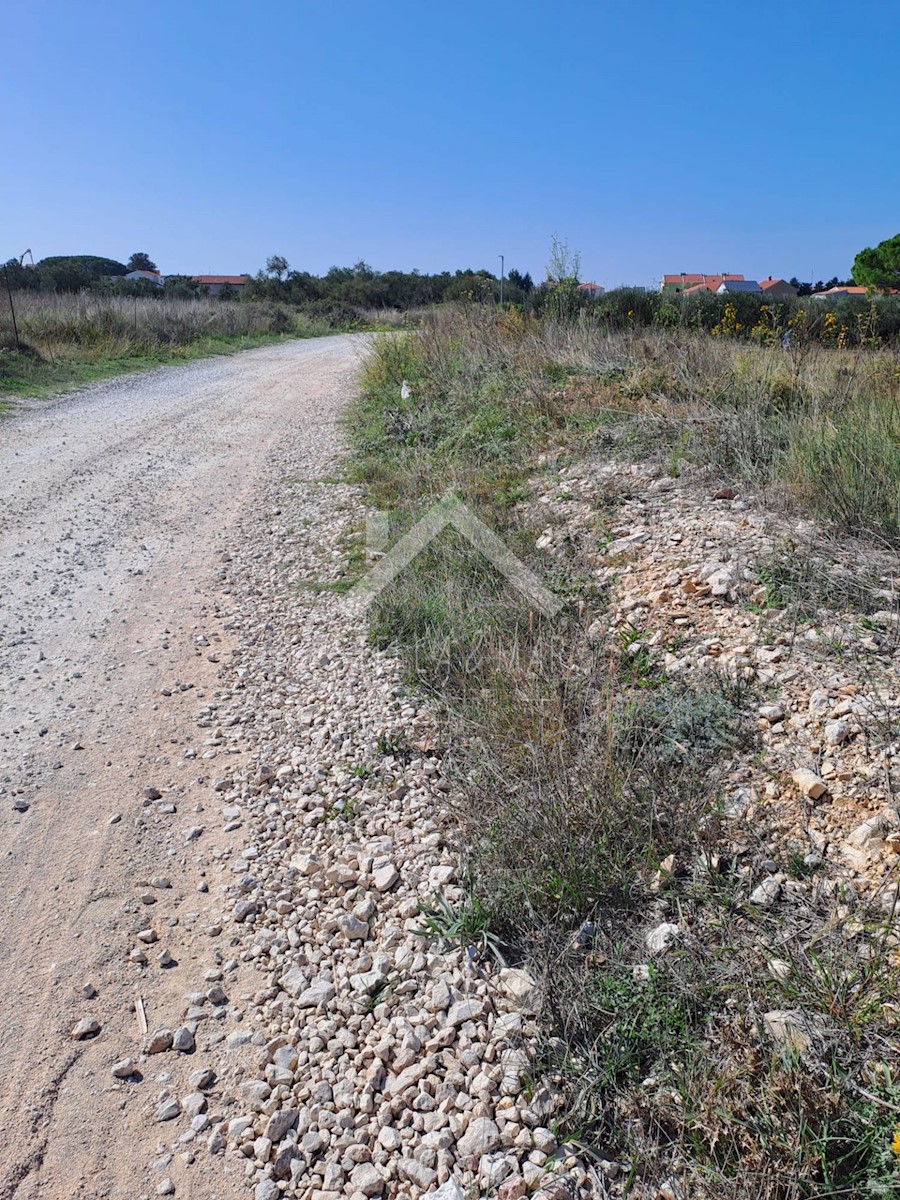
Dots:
pixel 65 325
pixel 818 425
pixel 67 338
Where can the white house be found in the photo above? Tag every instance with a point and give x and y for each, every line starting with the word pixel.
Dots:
pixel 153 277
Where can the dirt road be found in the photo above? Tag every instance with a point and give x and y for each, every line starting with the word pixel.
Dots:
pixel 113 504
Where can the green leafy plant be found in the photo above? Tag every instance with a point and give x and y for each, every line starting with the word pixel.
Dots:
pixel 467 924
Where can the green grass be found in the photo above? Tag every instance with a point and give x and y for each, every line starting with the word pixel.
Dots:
pixel 24 377
pixel 672 1062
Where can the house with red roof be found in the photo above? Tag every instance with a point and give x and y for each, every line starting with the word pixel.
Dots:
pixel 215 283
pixel 677 284
pixel 835 293
pixel 777 287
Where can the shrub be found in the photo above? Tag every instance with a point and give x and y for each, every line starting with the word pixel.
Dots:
pixel 334 313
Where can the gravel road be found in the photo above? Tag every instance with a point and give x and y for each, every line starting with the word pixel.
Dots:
pixel 113 502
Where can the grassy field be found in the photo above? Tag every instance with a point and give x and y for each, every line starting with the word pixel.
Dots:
pixel 816 426
pixel 582 767
pixel 68 340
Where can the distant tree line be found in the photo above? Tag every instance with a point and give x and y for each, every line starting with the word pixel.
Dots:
pixel 807 289
pixel 66 273
pixel 359 286
pixel 363 287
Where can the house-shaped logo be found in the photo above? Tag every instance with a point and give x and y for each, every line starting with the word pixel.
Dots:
pixel 451 511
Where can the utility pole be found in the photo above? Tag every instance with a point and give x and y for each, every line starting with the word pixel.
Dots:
pixel 502 264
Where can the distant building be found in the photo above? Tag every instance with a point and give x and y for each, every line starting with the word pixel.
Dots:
pixel 680 283
pixel 777 287
pixel 591 290
pixel 215 283
pixel 729 286
pixel 835 293
pixel 711 283
pixel 153 277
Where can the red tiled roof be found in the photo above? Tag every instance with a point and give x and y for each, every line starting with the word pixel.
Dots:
pixel 844 291
pixel 591 285
pixel 712 283
pixel 704 279
pixel 220 278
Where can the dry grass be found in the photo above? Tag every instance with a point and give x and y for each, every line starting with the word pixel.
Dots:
pixel 817 425
pixel 71 326
pixel 69 339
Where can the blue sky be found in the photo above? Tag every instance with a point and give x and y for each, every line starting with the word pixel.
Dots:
pixel 653 135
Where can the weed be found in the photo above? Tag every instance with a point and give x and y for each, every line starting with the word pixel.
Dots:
pixel 345 809
pixel 468 925
pixel 394 745
pixel 671 1060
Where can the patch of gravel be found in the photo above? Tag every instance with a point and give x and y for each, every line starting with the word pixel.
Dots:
pixel 349 1054
pixel 683 567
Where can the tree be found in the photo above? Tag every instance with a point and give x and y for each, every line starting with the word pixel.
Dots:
pixel 141 262
pixel 72 272
pixel 21 278
pixel 180 285
pixel 879 267
pixel 562 279
pixel 277 266
pixel 517 279
pixel 564 264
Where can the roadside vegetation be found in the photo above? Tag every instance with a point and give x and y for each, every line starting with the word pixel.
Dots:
pixel 68 339
pixel 592 786
pixel 78 317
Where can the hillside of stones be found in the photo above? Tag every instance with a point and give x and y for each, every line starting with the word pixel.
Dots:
pixel 707 578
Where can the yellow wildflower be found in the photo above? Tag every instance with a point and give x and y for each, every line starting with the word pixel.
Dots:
pixel 895 1144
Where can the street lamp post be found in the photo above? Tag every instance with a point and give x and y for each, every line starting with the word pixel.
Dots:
pixel 502 263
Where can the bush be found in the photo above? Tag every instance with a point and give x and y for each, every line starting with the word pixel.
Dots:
pixel 850 321
pixel 333 313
